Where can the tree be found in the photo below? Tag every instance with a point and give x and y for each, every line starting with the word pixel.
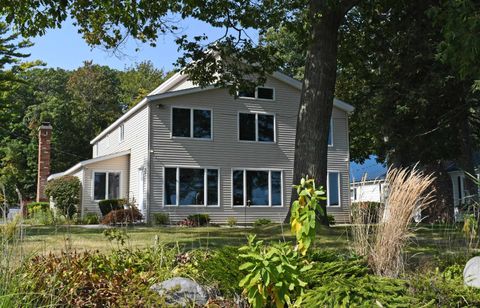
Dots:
pixel 138 81
pixel 227 61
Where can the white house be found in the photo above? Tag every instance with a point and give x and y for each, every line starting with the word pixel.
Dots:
pixel 185 149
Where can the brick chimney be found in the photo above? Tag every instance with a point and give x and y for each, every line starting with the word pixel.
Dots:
pixel 44 141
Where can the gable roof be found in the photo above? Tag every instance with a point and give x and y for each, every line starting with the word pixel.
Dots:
pixel 88 162
pixel 164 91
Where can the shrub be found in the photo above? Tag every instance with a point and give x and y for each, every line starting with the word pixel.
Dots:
pixel 160 219
pixel 90 219
pixel 37 206
pixel 199 219
pixel 44 217
pixel 331 220
pixel 65 192
pixel 262 222
pixel 124 216
pixel 232 221
pixel 106 206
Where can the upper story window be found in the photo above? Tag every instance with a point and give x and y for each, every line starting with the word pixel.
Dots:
pixel 106 185
pixel 191 123
pixel 121 133
pixel 256 127
pixel 265 93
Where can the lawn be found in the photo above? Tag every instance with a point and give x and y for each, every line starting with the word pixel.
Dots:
pixel 427 240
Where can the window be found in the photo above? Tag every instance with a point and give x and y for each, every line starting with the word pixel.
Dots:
pixel 330 133
pixel 256 127
pixel 258 93
pixel 106 185
pixel 333 189
pixel 191 186
pixel 192 123
pixel 257 187
pixel 122 133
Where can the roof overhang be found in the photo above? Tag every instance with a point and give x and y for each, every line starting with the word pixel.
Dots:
pixel 86 163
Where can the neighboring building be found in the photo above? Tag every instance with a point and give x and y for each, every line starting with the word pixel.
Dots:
pixel 460 195
pixel 185 150
pixel 367 181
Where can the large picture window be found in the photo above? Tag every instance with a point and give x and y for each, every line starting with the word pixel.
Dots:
pixel 191 123
pixel 106 185
pixel 256 127
pixel 191 186
pixel 257 187
pixel 333 189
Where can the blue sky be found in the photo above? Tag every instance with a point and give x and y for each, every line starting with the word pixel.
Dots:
pixel 65 48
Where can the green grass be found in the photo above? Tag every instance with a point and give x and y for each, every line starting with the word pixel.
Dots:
pixel 426 240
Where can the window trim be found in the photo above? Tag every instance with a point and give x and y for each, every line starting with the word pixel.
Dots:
pixel 121 133
pixel 256 95
pixel 269 187
pixel 339 188
pixel 256 113
pixel 191 122
pixel 177 187
pixel 121 192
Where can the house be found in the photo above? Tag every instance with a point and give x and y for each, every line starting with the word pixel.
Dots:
pixel 367 181
pixel 184 150
pixel 460 195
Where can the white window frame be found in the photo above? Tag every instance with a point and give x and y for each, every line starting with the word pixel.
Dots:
pixel 339 188
pixel 121 133
pixel 205 187
pixel 256 95
pixel 191 123
pixel 269 187
pixel 121 192
pixel 330 132
pixel 256 127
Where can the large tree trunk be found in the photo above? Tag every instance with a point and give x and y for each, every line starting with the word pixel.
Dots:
pixel 441 209
pixel 316 101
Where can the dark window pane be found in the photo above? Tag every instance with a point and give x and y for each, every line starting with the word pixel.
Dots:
pixel 237 187
pixel 265 93
pixel 276 183
pixel 181 122
pixel 202 124
pixel 330 134
pixel 257 187
pixel 212 187
pixel 113 185
pixel 333 189
pixel 265 128
pixel 247 126
pixel 191 187
pixel 247 92
pixel 170 186
pixel 100 183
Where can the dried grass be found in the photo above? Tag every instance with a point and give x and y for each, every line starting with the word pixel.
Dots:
pixel 408 190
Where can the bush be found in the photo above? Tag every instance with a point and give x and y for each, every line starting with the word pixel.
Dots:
pixel 331 220
pixel 65 192
pixel 199 219
pixel 232 221
pixel 90 219
pixel 160 219
pixel 106 206
pixel 43 217
pixel 37 206
pixel 124 216
pixel 262 222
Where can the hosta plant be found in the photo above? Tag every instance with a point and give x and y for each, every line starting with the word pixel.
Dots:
pixel 273 273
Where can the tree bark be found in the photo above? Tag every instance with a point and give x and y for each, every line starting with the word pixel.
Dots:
pixel 317 96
